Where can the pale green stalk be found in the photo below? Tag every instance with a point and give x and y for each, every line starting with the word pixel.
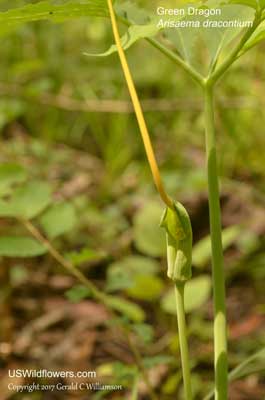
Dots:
pixel 183 341
pixel 220 324
pixel 218 276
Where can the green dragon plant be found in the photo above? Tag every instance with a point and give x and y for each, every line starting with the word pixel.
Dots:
pixel 176 220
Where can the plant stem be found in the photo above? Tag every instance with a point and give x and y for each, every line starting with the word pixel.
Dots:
pixel 220 325
pixel 112 302
pixel 134 395
pixel 139 363
pixel 97 294
pixel 184 352
pixel 233 55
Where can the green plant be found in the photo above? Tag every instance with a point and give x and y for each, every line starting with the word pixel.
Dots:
pixel 176 220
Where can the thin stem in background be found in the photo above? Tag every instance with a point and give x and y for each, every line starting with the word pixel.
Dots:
pixel 101 297
pixel 220 324
pixel 63 262
pixel 139 362
pixel 183 341
pixel 64 102
pixel 134 395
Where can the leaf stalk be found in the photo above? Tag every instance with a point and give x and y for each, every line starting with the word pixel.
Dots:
pixel 219 72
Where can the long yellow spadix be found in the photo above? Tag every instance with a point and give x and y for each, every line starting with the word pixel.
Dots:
pixel 138 111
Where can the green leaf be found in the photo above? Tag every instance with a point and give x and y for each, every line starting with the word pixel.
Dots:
pixel 27 201
pixel 222 36
pixel 10 174
pixel 130 11
pixel 144 331
pixel 135 275
pixel 197 292
pixel 10 109
pixel 78 293
pixel 125 307
pixel 184 40
pixel 123 372
pixel 202 250
pixel 214 37
pixel 122 274
pixel 20 246
pixel 18 274
pixel 148 236
pixel 59 219
pixel 134 33
pixel 249 3
pixel 146 287
pixel 42 10
pixel 84 255
pixel 172 383
pixel 136 15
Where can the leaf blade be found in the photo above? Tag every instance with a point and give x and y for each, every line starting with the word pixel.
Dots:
pixel 27 201
pixel 133 34
pixel 58 219
pixel 20 246
pixel 46 10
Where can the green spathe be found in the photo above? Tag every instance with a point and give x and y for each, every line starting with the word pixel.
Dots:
pixel 177 223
